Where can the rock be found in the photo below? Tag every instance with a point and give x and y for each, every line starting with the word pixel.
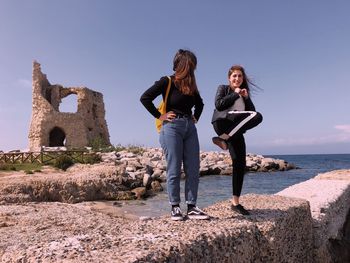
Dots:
pixel 226 171
pixel 156 158
pixel 140 192
pixel 109 157
pixel 157 173
pixel 269 164
pixel 53 149
pixel 149 169
pixel 130 169
pixel 156 186
pixel 136 164
pixel 147 179
pixel 145 218
pixel 130 155
pixel 214 170
pixel 204 171
pixel 124 195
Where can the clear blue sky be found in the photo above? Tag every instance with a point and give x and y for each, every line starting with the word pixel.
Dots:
pixel 297 51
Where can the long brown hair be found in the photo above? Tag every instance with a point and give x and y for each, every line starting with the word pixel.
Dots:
pixel 247 83
pixel 184 64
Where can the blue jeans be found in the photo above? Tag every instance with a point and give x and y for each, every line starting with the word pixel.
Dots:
pixel 179 141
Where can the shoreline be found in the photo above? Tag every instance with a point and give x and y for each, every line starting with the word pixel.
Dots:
pixel 122 175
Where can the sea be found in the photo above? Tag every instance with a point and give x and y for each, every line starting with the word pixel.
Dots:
pixel 215 188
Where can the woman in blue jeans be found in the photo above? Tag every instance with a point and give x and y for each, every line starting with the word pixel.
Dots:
pixel 178 136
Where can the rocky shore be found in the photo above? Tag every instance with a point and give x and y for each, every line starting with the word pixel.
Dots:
pixel 211 163
pixel 122 175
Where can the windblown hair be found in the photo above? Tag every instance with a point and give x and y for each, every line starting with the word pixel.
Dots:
pixel 247 83
pixel 184 64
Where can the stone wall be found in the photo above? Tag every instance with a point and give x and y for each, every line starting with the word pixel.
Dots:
pixel 50 127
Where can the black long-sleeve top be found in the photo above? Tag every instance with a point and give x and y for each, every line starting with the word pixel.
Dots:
pixel 225 97
pixel 177 101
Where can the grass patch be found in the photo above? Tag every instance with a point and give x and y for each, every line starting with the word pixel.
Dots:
pixel 63 162
pixel 20 167
pixel 119 148
pixel 92 158
pixel 99 144
pixel 7 167
pixel 135 149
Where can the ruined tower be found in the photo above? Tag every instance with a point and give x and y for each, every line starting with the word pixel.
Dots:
pixel 50 127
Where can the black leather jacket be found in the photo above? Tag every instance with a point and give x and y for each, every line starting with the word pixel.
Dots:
pixel 224 99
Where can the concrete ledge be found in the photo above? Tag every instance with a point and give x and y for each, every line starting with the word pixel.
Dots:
pixel 282 228
pixel 66 232
pixel 329 198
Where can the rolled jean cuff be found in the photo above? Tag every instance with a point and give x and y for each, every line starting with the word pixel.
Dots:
pixel 174 203
pixel 190 202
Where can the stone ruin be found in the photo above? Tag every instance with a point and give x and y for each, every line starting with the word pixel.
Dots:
pixel 51 128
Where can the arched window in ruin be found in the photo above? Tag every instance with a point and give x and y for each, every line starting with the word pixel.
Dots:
pixel 69 103
pixel 57 137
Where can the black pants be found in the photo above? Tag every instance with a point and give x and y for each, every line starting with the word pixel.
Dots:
pixel 239 123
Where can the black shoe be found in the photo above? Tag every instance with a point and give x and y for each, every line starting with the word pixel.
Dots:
pixel 240 209
pixel 220 142
pixel 176 214
pixel 195 213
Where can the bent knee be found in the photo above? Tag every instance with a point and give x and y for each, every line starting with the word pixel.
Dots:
pixel 259 117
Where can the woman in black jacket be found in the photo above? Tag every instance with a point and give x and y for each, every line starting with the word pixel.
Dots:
pixel 234 114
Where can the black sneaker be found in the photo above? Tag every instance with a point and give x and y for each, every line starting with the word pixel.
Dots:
pixel 240 209
pixel 220 142
pixel 176 214
pixel 195 213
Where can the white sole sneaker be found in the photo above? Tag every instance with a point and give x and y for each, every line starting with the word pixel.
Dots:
pixel 177 218
pixel 176 214
pixel 196 213
pixel 199 217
